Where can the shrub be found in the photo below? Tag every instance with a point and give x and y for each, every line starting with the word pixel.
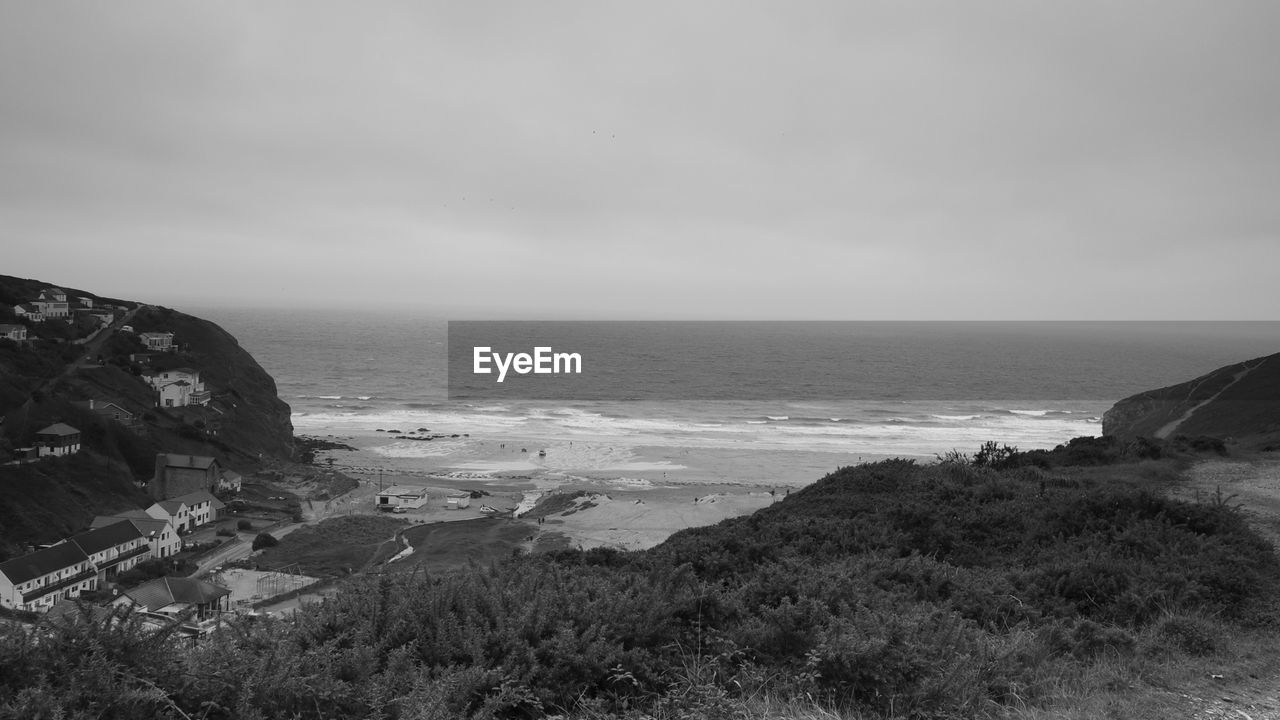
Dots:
pixel 226 531
pixel 244 524
pixel 264 540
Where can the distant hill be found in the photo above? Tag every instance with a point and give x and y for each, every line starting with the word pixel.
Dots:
pixel 1239 402
pixel 51 377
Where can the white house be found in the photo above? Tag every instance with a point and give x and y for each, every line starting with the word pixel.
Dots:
pixel 458 500
pixel 202 507
pixel 401 496
pixel 188 512
pixel 37 580
pixel 178 387
pixel 113 548
pixel 53 303
pixel 157 341
pixel 17 333
pixel 175 511
pixel 230 480
pixel 161 535
pixel 29 311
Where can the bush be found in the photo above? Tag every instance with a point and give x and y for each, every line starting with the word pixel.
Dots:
pixel 226 531
pixel 244 524
pixel 264 540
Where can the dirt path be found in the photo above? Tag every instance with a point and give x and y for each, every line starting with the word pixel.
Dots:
pixel 1168 429
pixel 1252 485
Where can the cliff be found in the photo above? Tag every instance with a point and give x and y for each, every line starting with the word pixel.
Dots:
pixel 62 366
pixel 1239 402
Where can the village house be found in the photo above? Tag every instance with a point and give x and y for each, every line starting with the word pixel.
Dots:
pixel 401 496
pixel 160 533
pixel 58 439
pixel 85 302
pixel 53 303
pixel 29 311
pixel 178 388
pixel 173 511
pixel 37 580
pixel 230 481
pixel 457 501
pixel 16 333
pixel 180 474
pixel 113 548
pixel 157 341
pixel 202 507
pixel 112 411
pixel 174 596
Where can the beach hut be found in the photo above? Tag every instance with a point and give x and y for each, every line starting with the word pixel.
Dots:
pixel 401 496
pixel 458 500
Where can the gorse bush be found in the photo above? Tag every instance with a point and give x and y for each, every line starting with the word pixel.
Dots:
pixel 894 588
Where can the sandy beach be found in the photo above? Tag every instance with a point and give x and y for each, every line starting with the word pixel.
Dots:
pixel 631 497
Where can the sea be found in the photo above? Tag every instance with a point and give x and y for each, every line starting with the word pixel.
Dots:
pixel 880 389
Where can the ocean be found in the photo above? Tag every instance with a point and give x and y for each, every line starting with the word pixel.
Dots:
pixel 918 389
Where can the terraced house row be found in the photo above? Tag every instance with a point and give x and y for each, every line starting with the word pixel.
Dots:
pixel 116 543
pixel 37 580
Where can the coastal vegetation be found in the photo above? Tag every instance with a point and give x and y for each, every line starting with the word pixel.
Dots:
pixel 894 589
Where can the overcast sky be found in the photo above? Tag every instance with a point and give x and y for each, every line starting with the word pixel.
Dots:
pixel 802 160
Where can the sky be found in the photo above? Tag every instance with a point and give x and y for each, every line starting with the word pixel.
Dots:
pixel 932 160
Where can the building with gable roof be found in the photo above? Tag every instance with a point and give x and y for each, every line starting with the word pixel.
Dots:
pixel 37 580
pixel 53 303
pixel 58 439
pixel 177 595
pixel 16 333
pixel 29 311
pixel 202 507
pixel 177 474
pixel 175 512
pixel 113 548
pixel 179 387
pixel 160 533
pixel 157 341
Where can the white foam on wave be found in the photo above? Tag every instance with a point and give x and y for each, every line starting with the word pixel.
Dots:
pixel 778 417
pixel 960 418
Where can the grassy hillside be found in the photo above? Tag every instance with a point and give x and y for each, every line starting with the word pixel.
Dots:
pixel 885 590
pixel 45 380
pixel 1240 402
pixel 47 501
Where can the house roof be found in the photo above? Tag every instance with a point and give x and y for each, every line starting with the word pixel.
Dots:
pixel 157 334
pixel 146 524
pixel 171 506
pixel 9 327
pixel 404 490
pixel 108 536
pixel 198 462
pixel 59 429
pixel 42 562
pixel 75 611
pixel 165 591
pixel 201 496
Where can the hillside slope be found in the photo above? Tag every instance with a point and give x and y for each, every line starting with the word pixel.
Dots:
pixel 50 378
pixel 1240 401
